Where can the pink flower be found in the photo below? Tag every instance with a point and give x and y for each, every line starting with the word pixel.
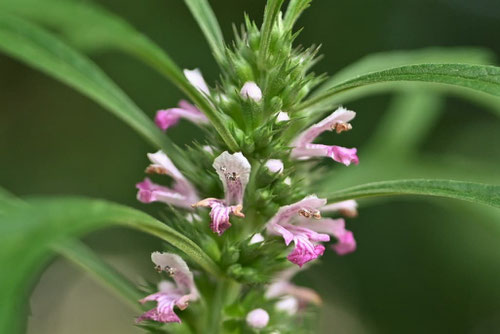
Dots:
pixel 170 294
pixel 219 213
pixel 294 223
pixel 170 117
pixel 250 90
pixel 257 318
pixel 338 121
pixel 182 194
pixel 234 173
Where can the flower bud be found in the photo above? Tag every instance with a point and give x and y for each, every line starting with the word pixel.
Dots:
pixel 258 318
pixel 250 90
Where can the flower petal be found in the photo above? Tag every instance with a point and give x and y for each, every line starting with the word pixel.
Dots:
pixel 161 164
pixel 341 115
pixel 347 208
pixel 196 79
pixel 169 117
pixel 179 270
pixel 337 153
pixel 288 304
pixel 234 173
pixel 346 244
pixel 219 213
pixel 151 192
pixel 305 251
pixel 164 311
pixel 309 204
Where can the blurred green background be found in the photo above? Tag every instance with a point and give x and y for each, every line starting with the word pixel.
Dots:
pixel 421 266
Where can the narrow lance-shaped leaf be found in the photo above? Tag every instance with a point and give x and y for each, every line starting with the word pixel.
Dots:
pixel 467 191
pixel 481 78
pixel 207 21
pixel 95 26
pixel 29 232
pixel 385 60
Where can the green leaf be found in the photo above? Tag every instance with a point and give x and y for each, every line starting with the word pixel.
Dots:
pixel 46 53
pixel 207 21
pixel 385 60
pixel 95 26
pixel 28 234
pixel 467 191
pixel 293 11
pixel 270 15
pixel 482 78
pixel 86 259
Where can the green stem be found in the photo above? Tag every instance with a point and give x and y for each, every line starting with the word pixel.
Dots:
pixel 225 293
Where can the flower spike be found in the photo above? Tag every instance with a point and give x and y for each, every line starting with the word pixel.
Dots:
pixel 337 121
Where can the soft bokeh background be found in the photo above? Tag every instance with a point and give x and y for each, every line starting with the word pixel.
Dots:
pixel 421 266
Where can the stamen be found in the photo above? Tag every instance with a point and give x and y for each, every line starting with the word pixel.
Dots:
pixel 237 211
pixel 316 214
pixel 310 213
pixel 152 169
pixel 305 213
pixel 170 271
pixel 340 127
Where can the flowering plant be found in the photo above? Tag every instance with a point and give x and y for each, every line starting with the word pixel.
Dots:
pixel 248 207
